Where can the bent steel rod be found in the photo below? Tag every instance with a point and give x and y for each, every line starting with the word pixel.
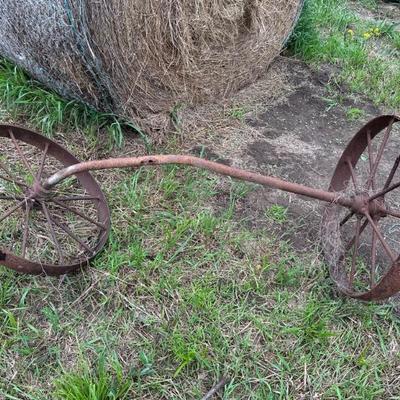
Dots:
pixel 233 172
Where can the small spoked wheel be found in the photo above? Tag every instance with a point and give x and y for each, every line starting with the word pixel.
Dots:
pixel 52 232
pixel 362 243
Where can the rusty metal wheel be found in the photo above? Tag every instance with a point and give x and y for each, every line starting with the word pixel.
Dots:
pixel 362 245
pixel 55 232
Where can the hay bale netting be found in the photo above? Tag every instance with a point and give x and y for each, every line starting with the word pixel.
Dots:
pixel 137 58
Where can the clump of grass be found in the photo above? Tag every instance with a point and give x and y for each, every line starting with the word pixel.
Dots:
pixel 277 213
pixel 237 112
pixel 313 328
pixel 186 351
pixel 25 98
pixel 354 113
pixel 7 289
pixel 366 51
pixel 98 383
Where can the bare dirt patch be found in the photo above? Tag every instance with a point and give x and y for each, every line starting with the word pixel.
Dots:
pixel 294 132
pixel 386 10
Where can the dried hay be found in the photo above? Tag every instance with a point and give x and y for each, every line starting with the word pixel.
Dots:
pixel 138 58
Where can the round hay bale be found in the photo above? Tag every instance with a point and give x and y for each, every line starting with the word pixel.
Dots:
pixel 136 58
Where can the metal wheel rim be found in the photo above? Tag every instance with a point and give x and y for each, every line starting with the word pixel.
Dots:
pixel 58 152
pixel 389 284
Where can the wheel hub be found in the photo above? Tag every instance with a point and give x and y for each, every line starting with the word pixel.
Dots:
pixel 37 192
pixel 362 205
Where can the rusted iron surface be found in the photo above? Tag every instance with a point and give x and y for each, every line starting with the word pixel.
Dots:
pixel 370 208
pixel 218 168
pixel 366 204
pixel 52 149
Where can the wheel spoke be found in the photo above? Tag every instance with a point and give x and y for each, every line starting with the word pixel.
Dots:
pixel 53 233
pixel 373 258
pixel 355 251
pixel 381 238
pixel 353 175
pixel 72 235
pixel 370 158
pixel 384 191
pixel 351 242
pixel 346 218
pixel 22 185
pixel 393 213
pixel 392 172
pixel 76 212
pixel 11 177
pixel 26 229
pixel 380 153
pixel 42 162
pixel 12 210
pixel 20 153
pixel 7 171
pixel 16 198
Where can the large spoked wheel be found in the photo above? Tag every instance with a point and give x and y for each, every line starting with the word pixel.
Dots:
pixel 53 232
pixel 362 244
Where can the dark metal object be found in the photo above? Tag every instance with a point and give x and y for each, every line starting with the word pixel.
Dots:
pixel 371 207
pixel 50 149
pixel 366 207
pixel 194 162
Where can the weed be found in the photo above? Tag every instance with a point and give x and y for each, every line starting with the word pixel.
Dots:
pixel 354 114
pixel 331 103
pixel 52 317
pixel 288 273
pixel 175 117
pixel 186 351
pixel 313 327
pixel 396 40
pixel 93 383
pixel 369 4
pixel 208 223
pixel 277 213
pixel 7 289
pixel 237 113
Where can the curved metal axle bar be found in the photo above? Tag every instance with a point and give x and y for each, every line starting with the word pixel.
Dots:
pixel 365 205
pixel 329 197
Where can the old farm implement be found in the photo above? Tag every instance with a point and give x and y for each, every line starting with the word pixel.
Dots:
pixel 55 219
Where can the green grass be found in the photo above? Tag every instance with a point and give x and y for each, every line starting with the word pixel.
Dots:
pixel 237 112
pixel 24 98
pixel 185 294
pixel 277 213
pixel 354 113
pixel 94 383
pixel 330 31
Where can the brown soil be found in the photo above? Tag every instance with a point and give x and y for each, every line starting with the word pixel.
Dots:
pixel 295 134
pixel 385 11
